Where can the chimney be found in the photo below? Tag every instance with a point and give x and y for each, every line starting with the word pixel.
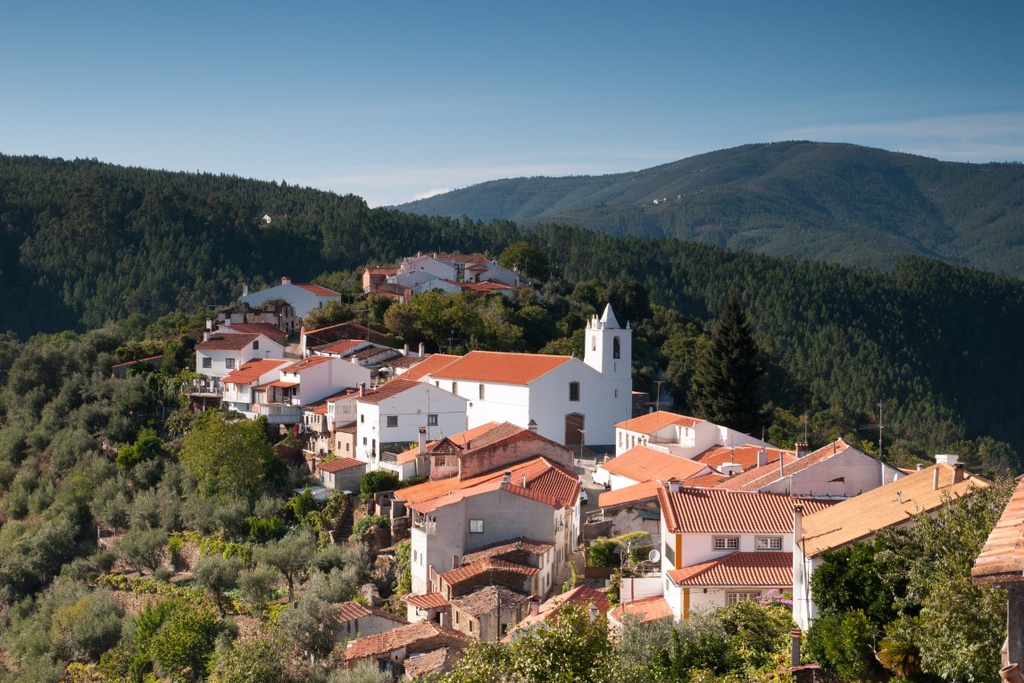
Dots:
pixel 798 522
pixel 524 480
pixel 422 440
pixel 362 389
pixel 421 354
pixel 507 478
pixel 532 425
pixel 958 473
pixel 227 321
pixel 947 458
pixel 674 485
pixel 920 467
pixel 534 605
pixel 209 324
pixel 405 350
pixel 286 280
pixel 794 637
pixel 245 289
pixel 801 449
pixel 762 457
pixel 935 479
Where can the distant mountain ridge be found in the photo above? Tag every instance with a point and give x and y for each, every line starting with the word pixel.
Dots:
pixel 842 203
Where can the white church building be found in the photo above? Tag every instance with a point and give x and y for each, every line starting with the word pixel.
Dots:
pixel 565 399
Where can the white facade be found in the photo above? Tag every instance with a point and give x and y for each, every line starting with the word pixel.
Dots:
pixel 686 439
pixel 303 298
pixel 398 417
pixel 426 265
pixel 318 380
pixel 848 473
pixel 218 363
pixel 238 395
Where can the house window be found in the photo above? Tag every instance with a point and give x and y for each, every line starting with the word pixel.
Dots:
pixel 574 391
pixel 392 420
pixel 476 526
pixel 455 387
pixel 727 542
pixel 364 440
pixel 362 418
pixel 431 419
pixel 593 342
pixel 470 625
pixel 616 393
pixel 207 362
pixel 256 345
pixel 731 598
pixel 670 553
pixel 229 363
pixel 480 392
pixel 616 348
pixel 769 543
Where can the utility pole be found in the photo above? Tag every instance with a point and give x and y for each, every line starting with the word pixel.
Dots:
pixel 879 430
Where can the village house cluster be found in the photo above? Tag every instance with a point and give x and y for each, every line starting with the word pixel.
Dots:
pixel 498 438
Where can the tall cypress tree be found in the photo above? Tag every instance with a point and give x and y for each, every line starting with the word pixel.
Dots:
pixel 726 387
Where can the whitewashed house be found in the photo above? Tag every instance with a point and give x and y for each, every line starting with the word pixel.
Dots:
pixel 238 384
pixel 218 355
pixel 392 414
pixel 565 399
pixel 302 297
pixel 719 547
pixel 679 435
pixel 304 382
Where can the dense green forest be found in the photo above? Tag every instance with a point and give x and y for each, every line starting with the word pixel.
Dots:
pixel 85 243
pixel 832 202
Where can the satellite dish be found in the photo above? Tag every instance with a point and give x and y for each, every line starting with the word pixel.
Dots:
pixel 654 555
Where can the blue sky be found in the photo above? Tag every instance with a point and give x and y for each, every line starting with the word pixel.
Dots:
pixel 393 100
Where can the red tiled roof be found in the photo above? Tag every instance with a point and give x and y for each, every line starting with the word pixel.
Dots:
pixel 744 456
pixel 580 595
pixel 501 367
pixel 893 504
pixel 351 610
pixel 498 548
pixel 659 419
pixel 318 290
pixel 643 611
pixel 461 439
pixel 455 576
pixel 645 490
pixel 427 600
pixel 756 570
pixel 227 342
pixel 380 270
pixel 546 482
pixel 387 390
pixel 713 511
pixel 340 346
pixel 253 370
pixel 1001 561
pixel 340 464
pixel 642 463
pixel 754 479
pixel 308 362
pixel 266 329
pixel 403 636
pixel 428 366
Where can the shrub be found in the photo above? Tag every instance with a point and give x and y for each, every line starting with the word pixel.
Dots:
pixel 370 522
pixel 375 482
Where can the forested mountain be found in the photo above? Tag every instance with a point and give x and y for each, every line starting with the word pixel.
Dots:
pixel 83 243
pixel 835 202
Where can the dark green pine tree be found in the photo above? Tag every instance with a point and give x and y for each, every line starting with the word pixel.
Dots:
pixel 726 386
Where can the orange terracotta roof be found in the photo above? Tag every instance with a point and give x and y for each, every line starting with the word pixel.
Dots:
pixel 266 329
pixel 318 290
pixel 351 610
pixel 745 481
pixel 739 570
pixel 406 636
pixel 546 483
pixel 253 370
pixel 659 419
pixel 340 464
pixel 456 576
pixel 641 463
pixel 745 456
pixel 713 511
pixel 227 342
pixel 580 595
pixel 645 490
pixel 281 384
pixel 427 600
pixel 462 439
pixel 308 362
pixel 428 366
pixel 381 270
pixel 893 504
pixel 643 611
pixel 340 346
pixel 1001 561
pixel 501 367
pixel 387 390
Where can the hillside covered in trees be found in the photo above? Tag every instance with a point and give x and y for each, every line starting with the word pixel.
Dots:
pixel 833 202
pixel 84 243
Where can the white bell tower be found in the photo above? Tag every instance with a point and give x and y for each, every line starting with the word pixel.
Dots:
pixel 609 346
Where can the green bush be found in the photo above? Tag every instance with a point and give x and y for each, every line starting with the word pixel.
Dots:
pixel 375 482
pixel 370 522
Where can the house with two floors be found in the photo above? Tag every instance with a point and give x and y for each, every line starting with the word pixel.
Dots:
pixel 220 354
pixel 303 298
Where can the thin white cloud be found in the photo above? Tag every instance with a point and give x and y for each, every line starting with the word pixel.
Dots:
pixel 975 138
pixel 430 193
